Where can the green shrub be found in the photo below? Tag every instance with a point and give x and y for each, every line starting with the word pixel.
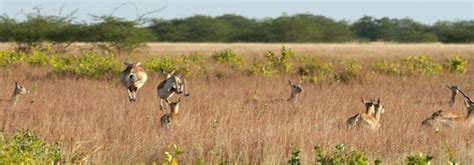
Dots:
pixel 420 65
pixel 351 70
pixel 228 57
pixel 315 72
pixel 38 58
pixel 419 159
pixel 261 69
pixel 171 155
pixel 161 65
pixel 457 65
pixel 27 148
pixel 281 63
pixel 341 156
pixel 186 65
pixel 391 68
pixel 90 66
pixel 10 58
pixel 274 64
pixel 295 156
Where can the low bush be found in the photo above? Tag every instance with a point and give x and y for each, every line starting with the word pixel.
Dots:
pixel 419 159
pixel 90 65
pixel 27 148
pixel 228 57
pixel 457 65
pixel 11 58
pixel 341 156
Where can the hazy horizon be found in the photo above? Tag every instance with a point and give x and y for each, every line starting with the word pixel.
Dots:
pixel 425 11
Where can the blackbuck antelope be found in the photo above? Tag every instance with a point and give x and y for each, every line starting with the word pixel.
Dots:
pixel 454 92
pixel 17 92
pixel 133 78
pixel 443 119
pixel 170 86
pixel 370 118
pixel 295 90
pixel 167 119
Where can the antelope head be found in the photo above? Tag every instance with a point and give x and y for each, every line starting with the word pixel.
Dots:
pixel 369 106
pixel 130 70
pixel 379 108
pixel 454 91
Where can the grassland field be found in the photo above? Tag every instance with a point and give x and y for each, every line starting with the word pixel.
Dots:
pixel 223 122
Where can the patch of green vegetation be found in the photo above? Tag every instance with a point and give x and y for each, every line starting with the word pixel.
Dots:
pixel 90 65
pixel 171 155
pixel 351 69
pixel 11 58
pixel 27 148
pixel 295 156
pixel 457 65
pixel 38 58
pixel 341 156
pixel 187 65
pixel 274 64
pixel 420 65
pixel 228 57
pixel 314 71
pixel 419 159
pixel 417 65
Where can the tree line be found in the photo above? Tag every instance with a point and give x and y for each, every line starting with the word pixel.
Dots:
pixel 119 32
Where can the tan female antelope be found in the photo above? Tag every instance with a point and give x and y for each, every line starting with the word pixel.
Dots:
pixel 170 86
pixel 295 90
pixel 370 119
pixel 442 119
pixel 133 78
pixel 167 119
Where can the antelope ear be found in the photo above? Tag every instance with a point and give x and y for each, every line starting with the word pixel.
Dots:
pixel 362 99
pixel 378 100
pixel 289 82
pixel 16 83
pixel 138 63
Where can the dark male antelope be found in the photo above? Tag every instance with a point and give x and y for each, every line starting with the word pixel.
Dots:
pixel 370 118
pixel 133 78
pixel 454 91
pixel 167 119
pixel 170 86
pixel 295 90
pixel 17 92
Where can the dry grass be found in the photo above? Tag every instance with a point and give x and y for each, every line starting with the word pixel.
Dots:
pixel 220 122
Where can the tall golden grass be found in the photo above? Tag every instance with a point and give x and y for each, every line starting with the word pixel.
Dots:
pixel 221 122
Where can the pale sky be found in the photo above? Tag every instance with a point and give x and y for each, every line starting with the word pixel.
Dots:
pixel 425 11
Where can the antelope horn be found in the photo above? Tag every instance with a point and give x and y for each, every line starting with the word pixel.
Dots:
pixel 172 72
pixel 465 96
